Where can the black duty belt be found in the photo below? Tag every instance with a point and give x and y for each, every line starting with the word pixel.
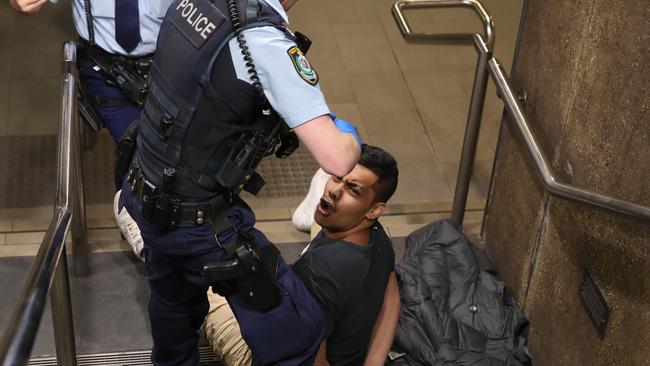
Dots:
pixel 210 212
pixel 141 64
pixel 249 271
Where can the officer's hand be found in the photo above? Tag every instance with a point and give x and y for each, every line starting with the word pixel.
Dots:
pixel 27 6
pixel 286 4
pixel 346 127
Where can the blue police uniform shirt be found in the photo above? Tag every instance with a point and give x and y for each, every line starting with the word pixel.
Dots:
pixel 151 14
pixel 289 82
pixel 295 97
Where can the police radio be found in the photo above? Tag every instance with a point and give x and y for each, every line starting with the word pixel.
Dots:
pixel 128 75
pixel 279 133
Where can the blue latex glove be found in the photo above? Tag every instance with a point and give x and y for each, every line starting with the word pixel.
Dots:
pixel 346 127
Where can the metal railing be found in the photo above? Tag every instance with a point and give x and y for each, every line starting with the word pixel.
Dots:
pixel 49 272
pixel 487 64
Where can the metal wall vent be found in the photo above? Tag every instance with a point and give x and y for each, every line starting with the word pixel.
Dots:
pixel 594 302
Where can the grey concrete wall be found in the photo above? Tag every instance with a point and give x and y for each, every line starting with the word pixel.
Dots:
pixel 585 67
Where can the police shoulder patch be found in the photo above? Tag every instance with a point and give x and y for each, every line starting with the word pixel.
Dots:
pixel 302 66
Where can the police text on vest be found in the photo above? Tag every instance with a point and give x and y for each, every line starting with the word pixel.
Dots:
pixel 200 22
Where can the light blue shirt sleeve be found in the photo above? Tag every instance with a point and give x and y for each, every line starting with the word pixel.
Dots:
pixel 151 14
pixel 292 92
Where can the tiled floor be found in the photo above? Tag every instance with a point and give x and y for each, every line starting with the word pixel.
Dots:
pixel 410 99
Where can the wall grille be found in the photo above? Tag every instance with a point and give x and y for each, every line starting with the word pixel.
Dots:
pixel 594 302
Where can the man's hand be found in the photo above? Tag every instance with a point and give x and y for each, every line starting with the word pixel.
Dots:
pixel 27 6
pixel 286 4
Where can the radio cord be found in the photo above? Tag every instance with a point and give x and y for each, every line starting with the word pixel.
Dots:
pixel 89 22
pixel 233 12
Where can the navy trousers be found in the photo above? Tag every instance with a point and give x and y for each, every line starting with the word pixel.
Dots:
pixel 117 119
pixel 288 334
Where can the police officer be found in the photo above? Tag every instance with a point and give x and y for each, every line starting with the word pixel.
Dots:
pixel 116 29
pixel 227 80
pixel 120 35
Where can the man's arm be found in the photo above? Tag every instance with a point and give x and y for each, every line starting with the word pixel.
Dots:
pixel 384 330
pixel 321 357
pixel 335 151
pixel 27 6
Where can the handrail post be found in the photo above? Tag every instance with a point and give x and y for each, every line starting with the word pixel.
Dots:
pixel 484 46
pixel 66 353
pixel 61 303
pixel 471 131
pixel 79 247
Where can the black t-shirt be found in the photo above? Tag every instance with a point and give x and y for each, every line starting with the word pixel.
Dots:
pixel 348 282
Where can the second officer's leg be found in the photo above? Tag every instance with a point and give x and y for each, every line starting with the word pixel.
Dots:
pixel 117 117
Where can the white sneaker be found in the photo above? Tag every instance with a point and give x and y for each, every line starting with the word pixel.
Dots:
pixel 303 217
pixel 128 227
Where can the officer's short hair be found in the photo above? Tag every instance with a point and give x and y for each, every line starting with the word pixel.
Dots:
pixel 384 165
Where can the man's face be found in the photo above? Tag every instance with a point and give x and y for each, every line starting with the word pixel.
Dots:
pixel 347 200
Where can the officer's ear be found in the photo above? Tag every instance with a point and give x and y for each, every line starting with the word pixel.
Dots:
pixel 376 210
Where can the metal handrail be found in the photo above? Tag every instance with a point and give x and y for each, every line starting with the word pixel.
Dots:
pixel 49 270
pixel 488 64
pixel 407 33
pixel 563 190
pixel 483 45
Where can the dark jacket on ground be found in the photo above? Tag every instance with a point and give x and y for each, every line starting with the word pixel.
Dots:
pixel 453 307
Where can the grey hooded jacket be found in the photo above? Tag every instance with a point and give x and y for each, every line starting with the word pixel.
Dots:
pixel 454 311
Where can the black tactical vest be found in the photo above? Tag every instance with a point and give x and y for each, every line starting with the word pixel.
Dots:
pixel 213 143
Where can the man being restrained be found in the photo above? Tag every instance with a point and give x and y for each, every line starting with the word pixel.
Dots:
pixel 348 268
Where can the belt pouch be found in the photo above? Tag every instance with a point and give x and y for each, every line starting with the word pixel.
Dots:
pixel 165 213
pixel 125 150
pixel 149 198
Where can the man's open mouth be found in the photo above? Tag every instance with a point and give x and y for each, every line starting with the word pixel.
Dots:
pixel 325 207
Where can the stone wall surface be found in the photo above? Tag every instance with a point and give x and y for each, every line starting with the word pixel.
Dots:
pixel 584 67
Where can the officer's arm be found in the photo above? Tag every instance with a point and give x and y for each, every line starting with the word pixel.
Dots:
pixel 27 6
pixel 336 152
pixel 385 326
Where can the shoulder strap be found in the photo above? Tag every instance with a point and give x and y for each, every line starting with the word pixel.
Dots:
pixel 373 272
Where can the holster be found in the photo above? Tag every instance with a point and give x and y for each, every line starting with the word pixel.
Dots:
pixel 87 110
pixel 250 272
pixel 125 149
